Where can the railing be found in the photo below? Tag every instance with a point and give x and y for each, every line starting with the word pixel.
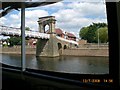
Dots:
pixel 70 41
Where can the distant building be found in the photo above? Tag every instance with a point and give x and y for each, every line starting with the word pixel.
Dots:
pixel 32 42
pixel 82 42
pixel 59 32
pixel 71 36
pixel 65 35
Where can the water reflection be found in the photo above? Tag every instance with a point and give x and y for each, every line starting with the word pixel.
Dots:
pixel 47 63
pixel 69 64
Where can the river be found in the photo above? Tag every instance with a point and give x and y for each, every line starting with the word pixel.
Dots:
pixel 67 64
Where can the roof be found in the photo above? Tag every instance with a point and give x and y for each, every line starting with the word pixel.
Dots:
pixel 71 35
pixel 58 31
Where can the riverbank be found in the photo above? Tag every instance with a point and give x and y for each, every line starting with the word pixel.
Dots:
pixel 17 50
pixel 86 52
pixel 67 52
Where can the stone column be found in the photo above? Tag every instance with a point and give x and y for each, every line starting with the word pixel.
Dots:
pixel 52 25
pixel 41 28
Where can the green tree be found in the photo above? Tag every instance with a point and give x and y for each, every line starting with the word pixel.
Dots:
pixel 14 41
pixel 27 28
pixel 89 33
pixel 83 33
pixel 103 34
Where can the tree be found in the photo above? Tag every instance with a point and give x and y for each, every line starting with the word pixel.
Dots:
pixel 103 34
pixel 14 41
pixel 27 28
pixel 89 33
pixel 83 33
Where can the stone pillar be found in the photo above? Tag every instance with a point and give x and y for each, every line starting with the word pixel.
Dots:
pixel 41 28
pixel 52 25
pixel 47 48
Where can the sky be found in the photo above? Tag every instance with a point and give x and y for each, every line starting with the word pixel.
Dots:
pixel 70 16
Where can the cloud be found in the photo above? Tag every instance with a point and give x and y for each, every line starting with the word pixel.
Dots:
pixel 32 18
pixel 70 16
pixel 55 5
pixel 66 15
pixel 14 16
pixel 2 20
pixel 31 14
pixel 89 9
pixel 78 15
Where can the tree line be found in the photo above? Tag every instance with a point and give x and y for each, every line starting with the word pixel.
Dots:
pixel 94 32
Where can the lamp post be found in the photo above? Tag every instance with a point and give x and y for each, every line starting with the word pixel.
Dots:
pixel 98 39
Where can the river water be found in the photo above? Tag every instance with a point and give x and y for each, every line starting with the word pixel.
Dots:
pixel 67 64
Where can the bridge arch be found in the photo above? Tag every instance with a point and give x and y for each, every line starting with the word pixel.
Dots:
pixel 47 27
pixel 59 46
pixel 65 47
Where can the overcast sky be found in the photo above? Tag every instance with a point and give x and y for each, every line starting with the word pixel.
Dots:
pixel 70 16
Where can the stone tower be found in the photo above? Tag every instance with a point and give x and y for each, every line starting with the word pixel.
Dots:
pixel 47 48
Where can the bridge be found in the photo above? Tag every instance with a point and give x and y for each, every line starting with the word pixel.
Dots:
pixel 48 44
pixel 10 31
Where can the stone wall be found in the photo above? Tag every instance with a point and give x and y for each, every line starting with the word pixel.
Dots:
pixel 71 52
pixel 86 52
pixel 17 50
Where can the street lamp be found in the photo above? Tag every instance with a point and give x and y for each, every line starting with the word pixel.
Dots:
pixel 98 39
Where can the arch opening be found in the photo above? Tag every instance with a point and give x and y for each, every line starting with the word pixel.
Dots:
pixel 59 46
pixel 65 47
pixel 46 28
